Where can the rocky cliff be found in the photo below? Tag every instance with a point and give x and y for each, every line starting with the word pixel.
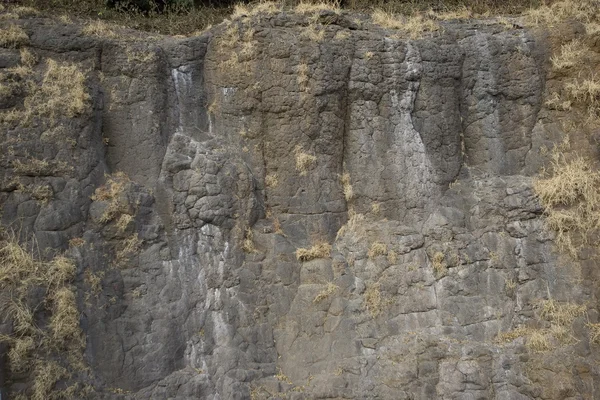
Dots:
pixel 303 206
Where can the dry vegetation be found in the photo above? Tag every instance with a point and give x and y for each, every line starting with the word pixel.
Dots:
pixel 12 37
pixel 319 250
pixel 326 293
pixel 347 186
pixel 570 194
pixel 113 192
pixel 414 26
pixel 304 161
pixel 570 55
pixel 438 262
pixel 32 289
pixel 62 92
pixel 248 242
pixel 377 249
pixel 556 320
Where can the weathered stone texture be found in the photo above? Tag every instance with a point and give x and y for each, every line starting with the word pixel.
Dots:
pixel 440 137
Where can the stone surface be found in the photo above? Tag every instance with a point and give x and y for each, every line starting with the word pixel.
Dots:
pixel 441 139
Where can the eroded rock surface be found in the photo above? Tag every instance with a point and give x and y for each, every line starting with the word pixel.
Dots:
pixel 438 247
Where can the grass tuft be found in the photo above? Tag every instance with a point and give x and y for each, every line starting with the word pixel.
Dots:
pixel 377 249
pixel 329 290
pixel 13 37
pixel 304 161
pixel 319 250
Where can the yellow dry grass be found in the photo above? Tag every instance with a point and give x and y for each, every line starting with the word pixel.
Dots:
pixel 64 323
pixel 560 11
pixel 559 333
pixel 414 26
pixel 439 265
pixel 248 242
pixel 13 36
pixel 347 186
pixel 271 180
pixel 46 352
pixel 304 161
pixel 377 249
pixel 261 8
pixel 570 55
pixel 570 195
pixel 311 7
pixel 329 291
pixel 112 192
pixel 372 300
pixel 99 28
pixel 319 250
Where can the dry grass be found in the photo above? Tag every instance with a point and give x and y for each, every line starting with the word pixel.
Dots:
pixel 372 300
pixel 124 222
pixel 439 265
pixel 28 59
pixel 94 281
pixel 312 7
pixel 377 249
pixel 414 26
pixel 265 8
pixel 560 316
pixel 271 180
pixel 63 91
pixel 347 186
pixel 64 323
pixel 304 161
pixel 570 55
pixel 329 291
pixel 319 250
pixel 555 102
pixel 127 249
pixel 314 32
pixel 594 332
pixel 559 11
pixel 586 91
pixel 570 195
pixel 99 28
pixel 248 242
pixel 354 221
pixel 46 352
pixel 112 192
pixel 12 37
pixel 302 77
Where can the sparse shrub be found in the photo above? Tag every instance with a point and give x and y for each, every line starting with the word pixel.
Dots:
pixel 319 250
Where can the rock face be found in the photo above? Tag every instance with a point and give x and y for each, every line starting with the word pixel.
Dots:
pixel 413 159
